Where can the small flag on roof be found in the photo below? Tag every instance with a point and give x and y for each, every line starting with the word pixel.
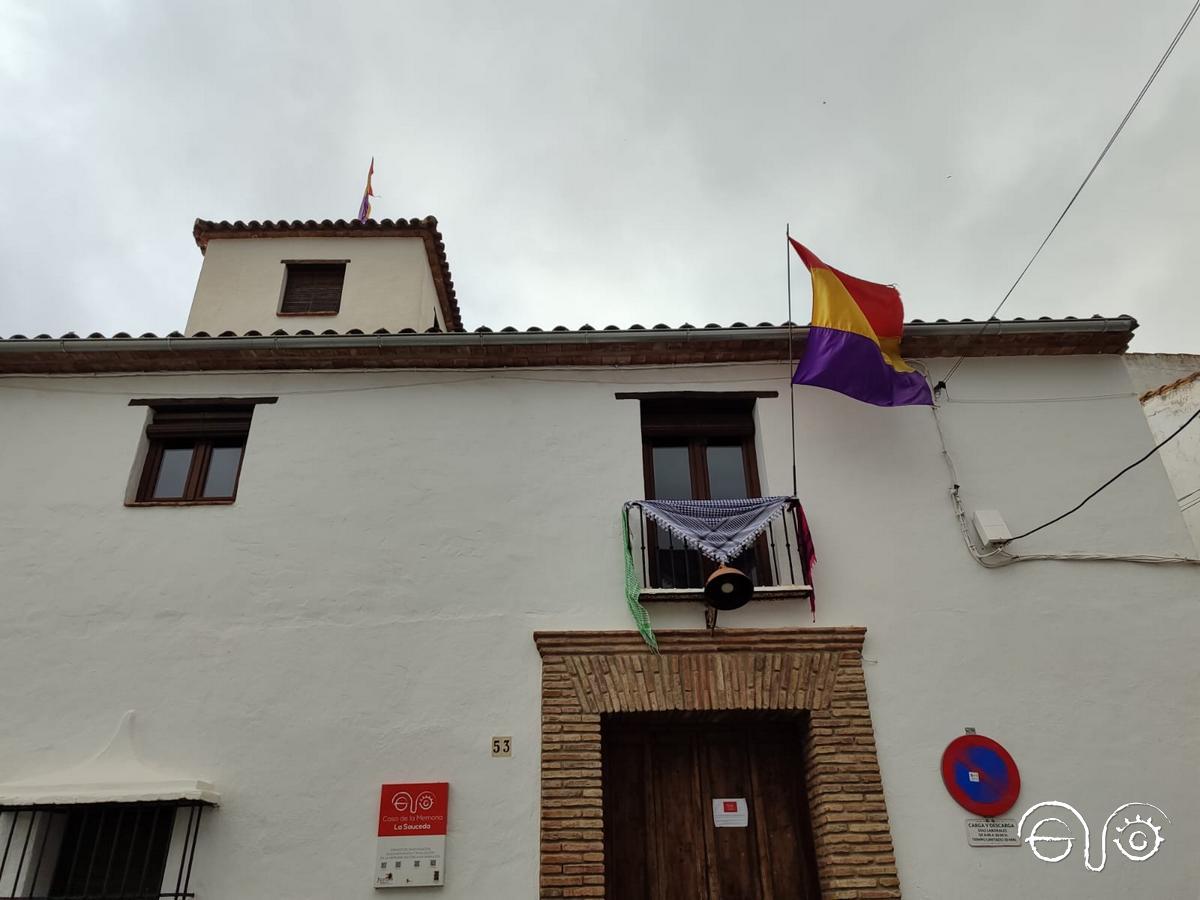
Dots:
pixel 364 208
pixel 854 342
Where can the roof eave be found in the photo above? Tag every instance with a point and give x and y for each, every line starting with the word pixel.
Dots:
pixel 531 349
pixel 1118 325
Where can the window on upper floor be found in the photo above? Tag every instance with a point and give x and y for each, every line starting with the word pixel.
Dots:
pixel 698 447
pixel 194 452
pixel 312 288
pixel 118 851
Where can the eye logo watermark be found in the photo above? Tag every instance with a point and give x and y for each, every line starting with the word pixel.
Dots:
pixel 403 802
pixel 1138 838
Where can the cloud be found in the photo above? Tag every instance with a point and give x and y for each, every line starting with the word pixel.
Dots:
pixel 610 162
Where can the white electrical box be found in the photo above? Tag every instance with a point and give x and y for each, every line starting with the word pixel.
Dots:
pixel 991 527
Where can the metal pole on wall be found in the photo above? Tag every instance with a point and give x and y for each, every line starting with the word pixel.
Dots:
pixel 791 354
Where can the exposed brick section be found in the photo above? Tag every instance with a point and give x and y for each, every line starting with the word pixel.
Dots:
pixel 572 806
pixel 636 683
pixel 855 858
pixel 587 674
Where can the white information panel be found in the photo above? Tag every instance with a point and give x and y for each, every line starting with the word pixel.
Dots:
pixel 992 833
pixel 731 812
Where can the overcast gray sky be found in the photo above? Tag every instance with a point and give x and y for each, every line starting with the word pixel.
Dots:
pixel 610 162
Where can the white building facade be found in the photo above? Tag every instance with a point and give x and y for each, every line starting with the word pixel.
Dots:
pixel 315 564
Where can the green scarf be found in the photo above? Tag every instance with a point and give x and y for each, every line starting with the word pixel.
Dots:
pixel 633 590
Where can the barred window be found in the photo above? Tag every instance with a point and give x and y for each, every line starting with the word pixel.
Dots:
pixel 116 851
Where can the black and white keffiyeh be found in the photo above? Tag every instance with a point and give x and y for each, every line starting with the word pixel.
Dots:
pixel 720 529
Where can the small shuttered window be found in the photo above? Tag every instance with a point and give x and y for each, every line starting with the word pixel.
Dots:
pixel 312 289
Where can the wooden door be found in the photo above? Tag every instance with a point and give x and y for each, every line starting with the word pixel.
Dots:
pixel 660 778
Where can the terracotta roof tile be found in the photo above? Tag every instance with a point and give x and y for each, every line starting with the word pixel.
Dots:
pixel 1168 388
pixel 488 348
pixel 1128 324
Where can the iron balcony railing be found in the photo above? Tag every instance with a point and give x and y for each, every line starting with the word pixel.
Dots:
pixel 667 569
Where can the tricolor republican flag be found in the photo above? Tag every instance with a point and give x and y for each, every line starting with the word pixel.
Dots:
pixel 854 343
pixel 364 208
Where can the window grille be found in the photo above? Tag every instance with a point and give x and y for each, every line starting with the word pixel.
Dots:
pixel 114 851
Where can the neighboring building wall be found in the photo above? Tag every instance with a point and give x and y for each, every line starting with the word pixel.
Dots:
pixel 1151 370
pixel 388 285
pixel 365 612
pixel 1166 410
pixel 1169 385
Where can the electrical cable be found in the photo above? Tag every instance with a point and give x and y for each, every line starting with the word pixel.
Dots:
pixel 1103 153
pixel 12 382
pixel 1024 400
pixel 1132 465
pixel 1188 494
pixel 999 557
pixel 463 378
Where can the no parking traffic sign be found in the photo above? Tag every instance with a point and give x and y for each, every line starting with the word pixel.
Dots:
pixel 980 775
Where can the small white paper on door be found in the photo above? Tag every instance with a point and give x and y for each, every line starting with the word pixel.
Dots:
pixel 731 812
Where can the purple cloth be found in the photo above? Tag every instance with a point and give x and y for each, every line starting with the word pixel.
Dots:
pixel 853 365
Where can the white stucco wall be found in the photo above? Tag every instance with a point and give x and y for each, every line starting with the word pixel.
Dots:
pixel 364 612
pixel 388 285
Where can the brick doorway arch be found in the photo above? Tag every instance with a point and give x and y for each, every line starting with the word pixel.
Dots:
pixel 587 674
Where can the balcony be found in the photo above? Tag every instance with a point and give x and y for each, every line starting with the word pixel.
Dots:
pixel 670 571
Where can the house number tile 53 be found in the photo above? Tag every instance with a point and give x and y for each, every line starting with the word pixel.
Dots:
pixel 502 746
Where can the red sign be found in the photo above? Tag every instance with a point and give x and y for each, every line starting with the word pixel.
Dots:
pixel 413 809
pixel 980 775
pixel 730 806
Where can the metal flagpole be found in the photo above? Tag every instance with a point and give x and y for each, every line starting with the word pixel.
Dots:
pixel 791 363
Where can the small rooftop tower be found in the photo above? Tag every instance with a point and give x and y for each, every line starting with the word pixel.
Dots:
pixel 320 276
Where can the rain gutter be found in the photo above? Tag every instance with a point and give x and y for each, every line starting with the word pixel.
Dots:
pixel 485 339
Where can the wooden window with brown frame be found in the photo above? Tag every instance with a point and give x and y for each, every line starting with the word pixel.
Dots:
pixel 699 447
pixel 312 288
pixel 195 454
